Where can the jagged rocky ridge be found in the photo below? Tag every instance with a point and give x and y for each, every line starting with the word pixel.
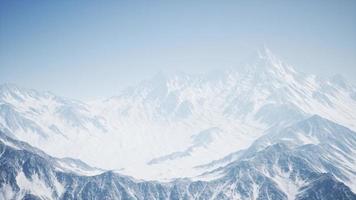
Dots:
pixel 165 115
pixel 284 169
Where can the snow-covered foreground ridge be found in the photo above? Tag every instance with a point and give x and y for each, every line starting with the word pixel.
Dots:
pixel 168 126
pixel 289 168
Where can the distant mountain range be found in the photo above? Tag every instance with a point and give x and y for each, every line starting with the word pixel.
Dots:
pixel 265 131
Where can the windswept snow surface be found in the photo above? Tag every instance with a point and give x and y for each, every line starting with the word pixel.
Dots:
pixel 164 127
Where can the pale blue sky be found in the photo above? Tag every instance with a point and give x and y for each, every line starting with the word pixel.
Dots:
pixel 90 49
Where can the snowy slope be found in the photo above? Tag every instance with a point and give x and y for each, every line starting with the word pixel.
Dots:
pixel 162 128
pixel 319 144
pixel 276 172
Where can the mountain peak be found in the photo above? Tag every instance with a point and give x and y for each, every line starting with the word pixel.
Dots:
pixel 8 86
pixel 266 62
pixel 318 120
pixel 14 88
pixel 265 53
pixel 11 90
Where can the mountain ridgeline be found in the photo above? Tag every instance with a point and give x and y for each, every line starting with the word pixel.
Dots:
pixel 263 131
pixel 278 171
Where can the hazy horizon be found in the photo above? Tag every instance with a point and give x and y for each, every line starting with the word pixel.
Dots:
pixel 86 50
pixel 166 73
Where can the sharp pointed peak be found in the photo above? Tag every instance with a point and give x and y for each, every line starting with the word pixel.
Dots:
pixel 11 88
pixel 316 117
pixel 265 61
pixel 265 53
pixel 271 59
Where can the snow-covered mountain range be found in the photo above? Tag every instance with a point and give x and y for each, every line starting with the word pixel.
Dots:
pixel 284 169
pixel 262 131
